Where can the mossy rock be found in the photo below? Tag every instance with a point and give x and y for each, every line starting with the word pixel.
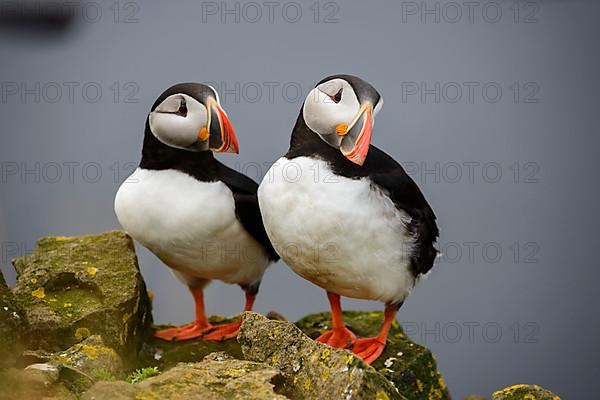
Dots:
pixel 524 392
pixel 73 287
pixel 165 355
pixel 409 366
pixel 310 370
pixel 217 377
pixel 11 325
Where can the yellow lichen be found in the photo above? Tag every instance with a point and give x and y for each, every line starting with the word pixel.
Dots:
pixel 92 271
pixel 435 394
pixel 349 360
pixel 67 305
pixel 381 396
pixel 420 386
pixel 126 317
pixel 62 238
pixel 82 333
pixel 274 358
pixel 325 354
pixel 325 374
pixel 39 293
pixel 441 383
pixel 307 384
pixel 93 352
pixel 34 280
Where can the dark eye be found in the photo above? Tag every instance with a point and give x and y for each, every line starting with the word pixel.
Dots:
pixel 337 97
pixel 182 110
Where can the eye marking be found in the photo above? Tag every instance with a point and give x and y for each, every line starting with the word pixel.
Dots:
pixel 337 97
pixel 182 110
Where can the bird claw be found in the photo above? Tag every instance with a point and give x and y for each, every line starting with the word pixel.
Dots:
pixel 369 349
pixel 340 338
pixel 185 332
pixel 223 332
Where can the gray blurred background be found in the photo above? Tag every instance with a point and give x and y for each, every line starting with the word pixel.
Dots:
pixel 492 108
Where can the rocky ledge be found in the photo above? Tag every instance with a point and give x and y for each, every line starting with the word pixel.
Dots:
pixel 78 325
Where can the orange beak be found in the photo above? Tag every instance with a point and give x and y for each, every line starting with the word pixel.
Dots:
pixel 221 134
pixel 357 139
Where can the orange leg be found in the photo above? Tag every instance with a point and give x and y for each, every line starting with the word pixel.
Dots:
pixel 369 349
pixel 189 331
pixel 230 330
pixel 339 335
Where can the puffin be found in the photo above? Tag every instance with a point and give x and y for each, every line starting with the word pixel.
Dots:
pixel 198 216
pixel 343 214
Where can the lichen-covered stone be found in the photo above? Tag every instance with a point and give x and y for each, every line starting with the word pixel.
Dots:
pixel 310 370
pixel 73 287
pixel 90 357
pixel 79 366
pixel 217 377
pixel 524 392
pixel 409 366
pixel 164 355
pixel 11 325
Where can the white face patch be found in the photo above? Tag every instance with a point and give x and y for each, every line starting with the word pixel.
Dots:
pixel 323 114
pixel 177 121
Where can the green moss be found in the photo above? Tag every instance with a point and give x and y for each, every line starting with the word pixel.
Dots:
pixel 139 375
pixel 90 282
pixel 410 367
pixel 102 374
pixel 524 392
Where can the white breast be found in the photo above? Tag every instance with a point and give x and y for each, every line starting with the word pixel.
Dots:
pixel 190 225
pixel 342 234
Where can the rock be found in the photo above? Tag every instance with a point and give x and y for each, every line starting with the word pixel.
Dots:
pixel 11 325
pixel 78 367
pixel 274 315
pixel 37 382
pixel 524 392
pixel 90 357
pixel 310 370
pixel 73 287
pixel 409 366
pixel 111 391
pixel 47 372
pixel 165 355
pixel 217 377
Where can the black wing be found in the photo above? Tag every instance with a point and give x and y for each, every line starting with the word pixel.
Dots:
pixel 406 195
pixel 246 206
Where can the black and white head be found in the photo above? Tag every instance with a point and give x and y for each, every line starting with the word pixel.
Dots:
pixel 340 109
pixel 188 116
